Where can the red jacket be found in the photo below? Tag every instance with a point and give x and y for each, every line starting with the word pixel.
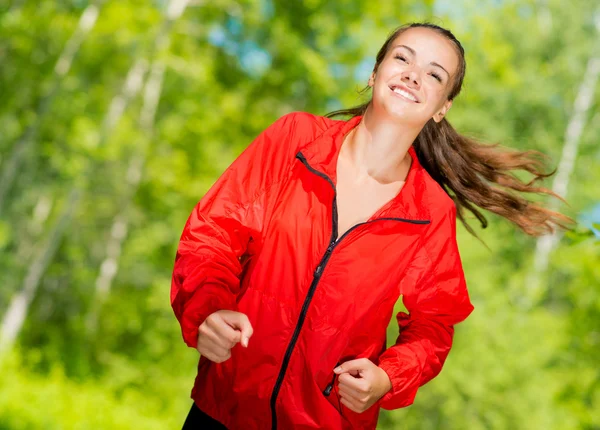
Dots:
pixel 263 241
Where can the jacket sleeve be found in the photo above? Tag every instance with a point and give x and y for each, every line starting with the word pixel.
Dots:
pixel 435 294
pixel 206 274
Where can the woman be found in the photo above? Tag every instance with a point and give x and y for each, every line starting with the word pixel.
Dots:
pixel 288 269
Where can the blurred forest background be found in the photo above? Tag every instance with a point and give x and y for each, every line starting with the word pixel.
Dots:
pixel 117 116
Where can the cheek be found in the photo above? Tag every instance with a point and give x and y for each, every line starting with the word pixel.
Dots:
pixel 445 90
pixel 435 89
pixel 389 71
pixel 438 94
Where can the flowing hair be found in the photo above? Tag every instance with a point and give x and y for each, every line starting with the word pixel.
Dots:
pixel 472 173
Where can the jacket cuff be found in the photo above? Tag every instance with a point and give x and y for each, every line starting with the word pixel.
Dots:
pixel 197 309
pixel 405 377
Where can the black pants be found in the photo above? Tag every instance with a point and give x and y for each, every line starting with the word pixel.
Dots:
pixel 197 419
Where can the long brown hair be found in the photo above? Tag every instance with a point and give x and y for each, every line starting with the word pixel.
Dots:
pixel 472 173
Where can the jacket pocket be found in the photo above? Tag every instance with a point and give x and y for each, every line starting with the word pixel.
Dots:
pixel 330 388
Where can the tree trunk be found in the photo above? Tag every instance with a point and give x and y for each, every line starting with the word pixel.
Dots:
pixel 152 90
pixel 583 102
pixel 63 65
pixel 19 306
pixel 17 310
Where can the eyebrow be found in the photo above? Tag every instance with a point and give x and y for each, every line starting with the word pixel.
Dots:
pixel 413 52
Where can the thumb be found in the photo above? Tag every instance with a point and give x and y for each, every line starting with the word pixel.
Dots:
pixel 241 322
pixel 348 366
pixel 246 333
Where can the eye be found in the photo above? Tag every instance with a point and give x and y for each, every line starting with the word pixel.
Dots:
pixel 436 76
pixel 400 57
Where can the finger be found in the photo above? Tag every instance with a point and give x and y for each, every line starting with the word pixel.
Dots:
pixel 354 389
pixel 353 366
pixel 247 332
pixel 240 321
pixel 221 331
pixel 213 332
pixel 351 395
pixel 350 405
pixel 228 335
pixel 217 358
pixel 216 345
pixel 350 381
pixel 208 345
pixel 245 328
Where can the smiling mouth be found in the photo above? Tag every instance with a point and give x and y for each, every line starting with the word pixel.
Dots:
pixel 404 94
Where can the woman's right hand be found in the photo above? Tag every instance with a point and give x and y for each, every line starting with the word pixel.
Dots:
pixel 220 332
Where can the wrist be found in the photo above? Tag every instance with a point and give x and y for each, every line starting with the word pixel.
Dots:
pixel 386 382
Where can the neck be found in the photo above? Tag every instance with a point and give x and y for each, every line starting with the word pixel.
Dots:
pixel 377 148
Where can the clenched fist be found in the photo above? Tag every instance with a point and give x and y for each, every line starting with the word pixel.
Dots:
pixel 220 332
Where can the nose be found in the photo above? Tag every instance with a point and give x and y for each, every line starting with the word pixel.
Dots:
pixel 411 77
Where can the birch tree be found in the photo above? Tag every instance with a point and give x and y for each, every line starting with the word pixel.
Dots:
pixel 16 314
pixel 118 231
pixel 63 65
pixel 581 112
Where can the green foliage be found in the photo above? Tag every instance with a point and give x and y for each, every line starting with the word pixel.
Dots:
pixel 231 68
pixel 30 400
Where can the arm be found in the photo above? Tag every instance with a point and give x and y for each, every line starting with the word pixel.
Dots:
pixel 206 275
pixel 435 294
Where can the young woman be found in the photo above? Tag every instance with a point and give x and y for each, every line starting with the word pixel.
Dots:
pixel 288 269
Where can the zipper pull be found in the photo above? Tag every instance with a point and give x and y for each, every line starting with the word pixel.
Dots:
pixel 327 390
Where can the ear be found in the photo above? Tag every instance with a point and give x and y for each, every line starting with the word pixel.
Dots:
pixel 443 111
pixel 372 79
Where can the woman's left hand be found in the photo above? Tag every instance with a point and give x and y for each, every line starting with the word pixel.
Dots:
pixel 361 383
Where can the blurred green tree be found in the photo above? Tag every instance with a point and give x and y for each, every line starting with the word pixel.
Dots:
pixel 152 110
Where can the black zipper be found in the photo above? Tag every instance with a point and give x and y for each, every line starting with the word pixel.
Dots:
pixel 334 241
pixel 329 387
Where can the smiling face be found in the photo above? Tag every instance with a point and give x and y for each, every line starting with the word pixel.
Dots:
pixel 413 81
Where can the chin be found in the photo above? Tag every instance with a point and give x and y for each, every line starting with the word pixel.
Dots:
pixel 403 115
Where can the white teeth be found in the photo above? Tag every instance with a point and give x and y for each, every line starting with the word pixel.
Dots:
pixel 405 94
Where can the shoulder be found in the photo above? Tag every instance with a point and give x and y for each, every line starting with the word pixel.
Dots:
pixel 278 143
pixel 296 129
pixel 440 202
pixel 439 239
pixel 440 206
pixel 305 124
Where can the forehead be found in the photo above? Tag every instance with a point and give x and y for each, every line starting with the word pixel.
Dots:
pixel 430 46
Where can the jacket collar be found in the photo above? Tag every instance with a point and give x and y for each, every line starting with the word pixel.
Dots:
pixel 411 203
